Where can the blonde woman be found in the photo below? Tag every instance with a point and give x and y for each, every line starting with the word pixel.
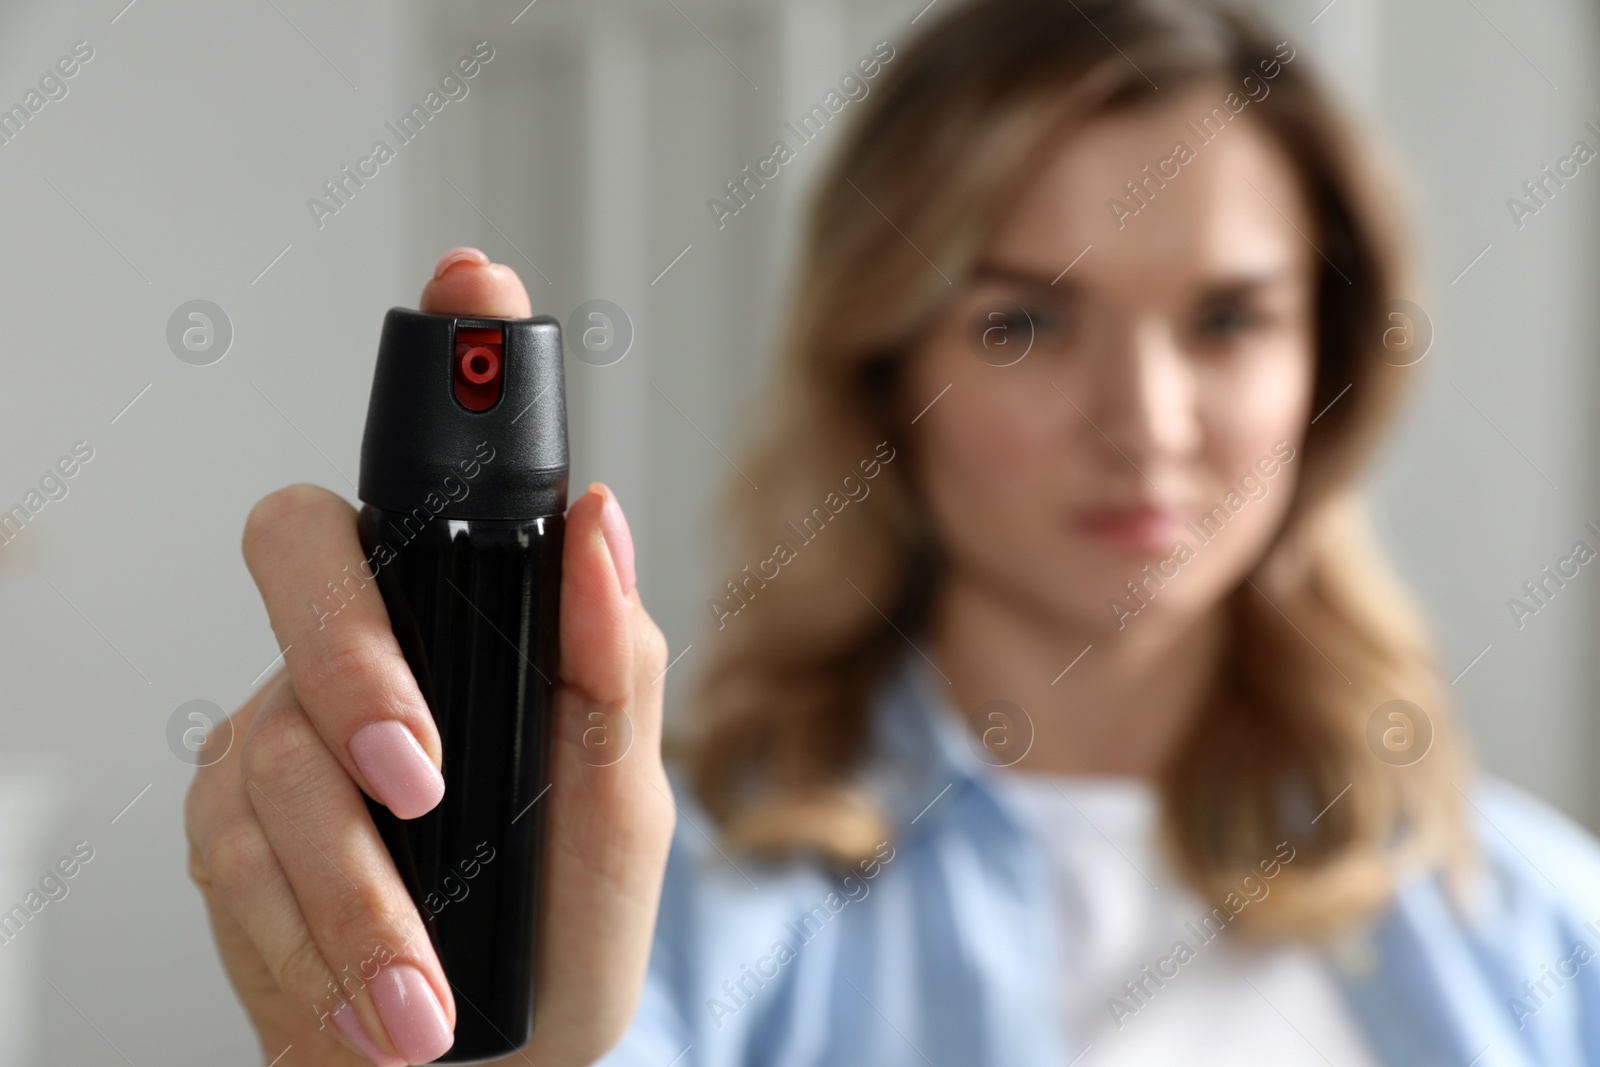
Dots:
pixel 1058 708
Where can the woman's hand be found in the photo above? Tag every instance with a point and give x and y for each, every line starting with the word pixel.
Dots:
pixel 302 893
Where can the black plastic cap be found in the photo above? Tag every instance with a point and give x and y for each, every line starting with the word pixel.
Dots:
pixel 424 448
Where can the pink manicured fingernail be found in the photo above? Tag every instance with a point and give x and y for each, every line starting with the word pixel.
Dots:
pixel 349 1024
pixel 399 771
pixel 463 254
pixel 614 525
pixel 411 1013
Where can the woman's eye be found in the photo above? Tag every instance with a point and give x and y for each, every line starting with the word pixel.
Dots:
pixel 1227 321
pixel 1047 322
pixel 1008 332
pixel 1015 321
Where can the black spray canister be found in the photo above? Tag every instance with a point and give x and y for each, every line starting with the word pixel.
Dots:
pixel 464 478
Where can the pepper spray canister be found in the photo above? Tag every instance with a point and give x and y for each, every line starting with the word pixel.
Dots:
pixel 464 482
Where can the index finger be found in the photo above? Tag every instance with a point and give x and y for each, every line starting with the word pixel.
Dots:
pixel 301 547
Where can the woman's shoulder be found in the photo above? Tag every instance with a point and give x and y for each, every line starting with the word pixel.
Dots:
pixel 1533 879
pixel 1512 963
pixel 1532 851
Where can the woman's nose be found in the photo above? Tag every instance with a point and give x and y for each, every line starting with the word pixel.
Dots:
pixel 1145 395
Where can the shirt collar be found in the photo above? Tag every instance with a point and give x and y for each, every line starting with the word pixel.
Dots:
pixel 926 762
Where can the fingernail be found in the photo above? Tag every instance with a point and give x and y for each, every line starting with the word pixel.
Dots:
pixel 399 771
pixel 614 526
pixel 411 1013
pixel 463 254
pixel 349 1024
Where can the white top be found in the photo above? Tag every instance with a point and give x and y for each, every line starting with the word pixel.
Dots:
pixel 1219 1001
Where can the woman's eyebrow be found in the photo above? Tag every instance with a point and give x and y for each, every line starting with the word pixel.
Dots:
pixel 1000 272
pixel 1238 284
pixel 1243 284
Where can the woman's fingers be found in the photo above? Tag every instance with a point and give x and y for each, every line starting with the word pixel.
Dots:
pixel 301 547
pixel 255 916
pixel 357 936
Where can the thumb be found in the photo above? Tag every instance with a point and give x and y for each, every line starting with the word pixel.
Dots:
pixel 597 653
pixel 465 283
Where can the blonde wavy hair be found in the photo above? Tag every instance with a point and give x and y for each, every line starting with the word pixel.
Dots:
pixel 955 127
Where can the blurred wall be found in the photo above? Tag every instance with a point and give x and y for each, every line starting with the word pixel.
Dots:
pixel 1493 476
pixel 178 168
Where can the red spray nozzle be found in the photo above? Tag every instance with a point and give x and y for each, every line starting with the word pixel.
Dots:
pixel 480 365
pixel 477 368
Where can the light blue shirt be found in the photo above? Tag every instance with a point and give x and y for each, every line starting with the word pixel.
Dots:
pixel 945 952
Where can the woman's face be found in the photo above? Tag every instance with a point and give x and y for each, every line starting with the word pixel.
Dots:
pixel 1127 390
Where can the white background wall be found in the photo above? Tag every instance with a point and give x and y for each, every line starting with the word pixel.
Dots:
pixel 178 168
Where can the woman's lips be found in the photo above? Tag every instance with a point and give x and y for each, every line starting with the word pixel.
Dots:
pixel 1144 529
